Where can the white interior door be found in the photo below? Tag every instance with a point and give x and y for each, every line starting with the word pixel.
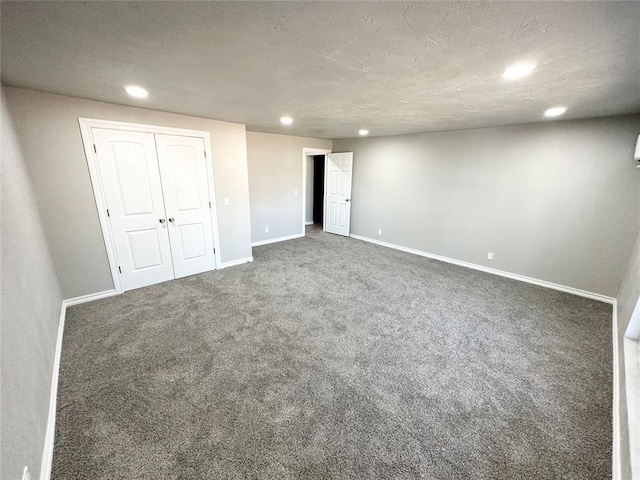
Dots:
pixel 337 211
pixel 185 185
pixel 128 166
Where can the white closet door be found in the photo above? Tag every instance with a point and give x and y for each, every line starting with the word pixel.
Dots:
pixel 186 194
pixel 128 167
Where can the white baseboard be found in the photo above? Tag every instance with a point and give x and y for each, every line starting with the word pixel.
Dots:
pixel 233 263
pixel 47 453
pixel 309 223
pixel 501 273
pixel 275 240
pixel 89 298
pixel 49 439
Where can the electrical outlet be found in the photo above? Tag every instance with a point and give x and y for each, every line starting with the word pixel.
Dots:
pixel 295 193
pixel 26 474
pixel 226 202
pixel 490 256
pixel 379 232
pixel 266 229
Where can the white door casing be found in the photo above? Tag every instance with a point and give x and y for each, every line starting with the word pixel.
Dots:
pixel 183 171
pixel 337 211
pixel 128 168
pixel 306 151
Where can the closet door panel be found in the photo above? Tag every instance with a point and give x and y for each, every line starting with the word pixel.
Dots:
pixel 185 185
pixel 128 166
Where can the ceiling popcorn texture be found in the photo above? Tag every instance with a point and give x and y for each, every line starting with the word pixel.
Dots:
pixel 335 67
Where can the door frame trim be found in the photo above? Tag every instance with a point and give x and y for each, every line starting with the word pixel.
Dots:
pixel 307 151
pixel 86 124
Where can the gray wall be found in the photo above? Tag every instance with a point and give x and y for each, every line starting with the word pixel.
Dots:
pixel 275 171
pixel 556 201
pixel 31 302
pixel 47 126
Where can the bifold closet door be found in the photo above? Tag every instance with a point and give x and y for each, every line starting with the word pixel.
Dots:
pixel 128 165
pixel 183 169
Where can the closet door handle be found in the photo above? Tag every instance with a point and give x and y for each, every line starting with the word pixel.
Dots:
pixel 171 219
pixel 162 220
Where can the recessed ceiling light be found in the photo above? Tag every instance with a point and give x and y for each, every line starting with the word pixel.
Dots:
pixel 137 92
pixel 518 71
pixel 555 111
pixel 286 120
pixel 363 132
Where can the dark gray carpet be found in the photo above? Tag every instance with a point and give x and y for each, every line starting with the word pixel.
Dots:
pixel 332 358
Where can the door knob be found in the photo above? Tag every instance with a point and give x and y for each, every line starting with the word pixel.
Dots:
pixel 171 219
pixel 162 220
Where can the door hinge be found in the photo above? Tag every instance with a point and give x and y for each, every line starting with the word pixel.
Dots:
pixel 209 204
pixel 108 215
pixel 119 269
pixel 205 154
pixel 214 251
pixel 94 148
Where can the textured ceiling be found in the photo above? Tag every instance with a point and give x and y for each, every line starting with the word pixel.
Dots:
pixel 335 67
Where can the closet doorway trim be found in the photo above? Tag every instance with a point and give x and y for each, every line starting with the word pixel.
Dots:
pixel 86 124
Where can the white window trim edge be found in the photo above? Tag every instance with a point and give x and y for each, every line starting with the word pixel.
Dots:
pixel 631 352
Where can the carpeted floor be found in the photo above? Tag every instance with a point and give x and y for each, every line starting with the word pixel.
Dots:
pixel 332 358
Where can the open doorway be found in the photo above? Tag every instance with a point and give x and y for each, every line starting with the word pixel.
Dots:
pixel 313 160
pixel 315 189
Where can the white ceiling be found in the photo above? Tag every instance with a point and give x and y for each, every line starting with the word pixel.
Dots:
pixel 335 67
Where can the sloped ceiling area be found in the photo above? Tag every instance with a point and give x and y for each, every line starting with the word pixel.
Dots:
pixel 335 67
